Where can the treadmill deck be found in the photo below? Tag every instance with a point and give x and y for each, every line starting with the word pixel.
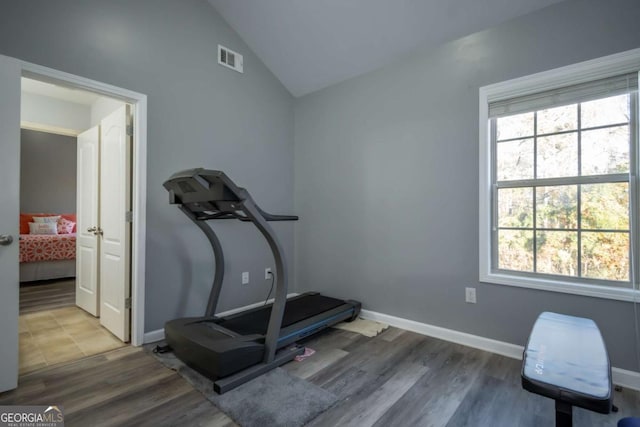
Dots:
pixel 296 310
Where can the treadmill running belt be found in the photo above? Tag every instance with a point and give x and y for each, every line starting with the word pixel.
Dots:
pixel 295 311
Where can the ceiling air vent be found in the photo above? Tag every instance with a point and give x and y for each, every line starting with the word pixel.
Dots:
pixel 229 58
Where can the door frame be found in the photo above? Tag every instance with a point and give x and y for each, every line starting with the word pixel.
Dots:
pixel 138 179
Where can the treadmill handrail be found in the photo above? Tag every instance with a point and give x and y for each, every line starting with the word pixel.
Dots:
pixel 218 257
pixel 272 217
pixel 233 215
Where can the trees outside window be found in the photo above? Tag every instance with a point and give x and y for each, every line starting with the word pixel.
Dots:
pixel 559 179
pixel 562 183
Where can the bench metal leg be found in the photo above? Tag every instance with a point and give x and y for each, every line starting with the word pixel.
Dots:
pixel 564 414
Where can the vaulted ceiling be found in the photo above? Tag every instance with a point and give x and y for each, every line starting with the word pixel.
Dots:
pixel 312 44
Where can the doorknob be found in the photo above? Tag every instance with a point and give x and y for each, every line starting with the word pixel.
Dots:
pixel 97 231
pixel 6 239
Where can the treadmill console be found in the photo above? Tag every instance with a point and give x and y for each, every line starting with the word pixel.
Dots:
pixel 211 194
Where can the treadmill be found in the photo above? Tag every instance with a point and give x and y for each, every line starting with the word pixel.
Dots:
pixel 234 349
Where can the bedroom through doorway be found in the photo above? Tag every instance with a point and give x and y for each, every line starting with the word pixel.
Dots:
pixel 64 233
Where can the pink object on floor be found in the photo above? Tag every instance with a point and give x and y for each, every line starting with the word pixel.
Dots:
pixel 307 352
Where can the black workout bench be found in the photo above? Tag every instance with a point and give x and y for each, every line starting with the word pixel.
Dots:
pixel 566 360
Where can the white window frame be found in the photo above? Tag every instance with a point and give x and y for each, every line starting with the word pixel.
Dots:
pixel 609 66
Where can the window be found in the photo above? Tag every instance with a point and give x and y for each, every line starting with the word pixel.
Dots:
pixel 558 169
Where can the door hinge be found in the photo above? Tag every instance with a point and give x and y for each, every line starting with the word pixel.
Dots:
pixel 130 130
pixel 127 302
pixel 128 216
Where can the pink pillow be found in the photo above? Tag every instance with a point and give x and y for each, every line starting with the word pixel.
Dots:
pixel 65 226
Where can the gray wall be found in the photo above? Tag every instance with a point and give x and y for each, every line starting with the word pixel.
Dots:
pixel 200 114
pixel 386 178
pixel 386 164
pixel 47 172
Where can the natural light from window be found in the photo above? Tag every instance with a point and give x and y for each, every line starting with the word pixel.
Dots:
pixel 577 228
pixel 559 193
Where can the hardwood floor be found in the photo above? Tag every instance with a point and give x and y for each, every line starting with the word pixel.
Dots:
pixel 124 387
pixel 47 295
pixel 398 378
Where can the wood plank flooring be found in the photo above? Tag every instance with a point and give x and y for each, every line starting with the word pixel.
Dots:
pixel 398 378
pixel 124 387
pixel 47 295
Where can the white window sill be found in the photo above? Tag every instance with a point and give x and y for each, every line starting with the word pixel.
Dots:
pixel 607 292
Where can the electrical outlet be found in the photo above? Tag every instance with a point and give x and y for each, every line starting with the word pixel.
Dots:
pixel 470 295
pixel 267 273
pixel 245 278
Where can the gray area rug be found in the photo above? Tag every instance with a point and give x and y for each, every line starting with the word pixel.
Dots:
pixel 273 399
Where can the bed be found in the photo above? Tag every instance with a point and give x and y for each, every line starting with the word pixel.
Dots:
pixel 46 256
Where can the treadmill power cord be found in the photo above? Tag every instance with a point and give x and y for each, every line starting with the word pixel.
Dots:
pixel 162 349
pixel 270 290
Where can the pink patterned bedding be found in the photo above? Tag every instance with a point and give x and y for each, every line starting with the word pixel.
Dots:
pixel 45 247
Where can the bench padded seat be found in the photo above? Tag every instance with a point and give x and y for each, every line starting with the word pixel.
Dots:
pixel 566 359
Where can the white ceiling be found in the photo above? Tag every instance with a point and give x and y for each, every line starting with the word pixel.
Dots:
pixel 59 92
pixel 311 44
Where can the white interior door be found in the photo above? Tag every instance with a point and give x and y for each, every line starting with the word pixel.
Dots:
pixel 10 71
pixel 115 203
pixel 87 249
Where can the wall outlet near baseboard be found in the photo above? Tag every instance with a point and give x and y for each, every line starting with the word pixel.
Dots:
pixel 470 295
pixel 267 273
pixel 245 278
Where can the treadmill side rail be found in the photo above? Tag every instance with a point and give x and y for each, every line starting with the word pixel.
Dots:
pixel 283 356
pixel 317 323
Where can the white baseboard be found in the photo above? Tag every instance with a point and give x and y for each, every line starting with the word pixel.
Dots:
pixel 624 378
pixel 158 334
pixel 487 344
pixel 153 336
pixel 621 377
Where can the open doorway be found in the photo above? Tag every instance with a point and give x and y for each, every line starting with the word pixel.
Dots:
pixel 61 235
pixel 11 71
